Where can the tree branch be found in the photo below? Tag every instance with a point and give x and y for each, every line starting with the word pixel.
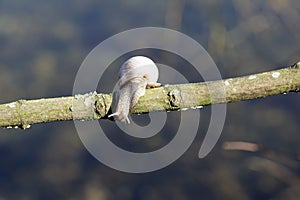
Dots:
pixel 23 113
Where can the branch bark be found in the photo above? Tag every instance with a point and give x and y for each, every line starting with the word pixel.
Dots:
pixel 91 106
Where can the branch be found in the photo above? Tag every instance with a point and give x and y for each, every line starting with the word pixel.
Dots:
pixel 91 106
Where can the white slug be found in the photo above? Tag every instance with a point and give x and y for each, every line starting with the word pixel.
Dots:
pixel 135 75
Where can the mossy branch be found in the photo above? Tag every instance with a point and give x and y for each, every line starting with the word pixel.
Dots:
pixel 91 106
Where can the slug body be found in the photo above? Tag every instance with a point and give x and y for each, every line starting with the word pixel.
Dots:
pixel 135 75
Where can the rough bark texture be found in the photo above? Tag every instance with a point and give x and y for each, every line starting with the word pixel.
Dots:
pixel 23 113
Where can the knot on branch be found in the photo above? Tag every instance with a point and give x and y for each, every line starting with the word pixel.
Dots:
pixel 102 104
pixel 175 98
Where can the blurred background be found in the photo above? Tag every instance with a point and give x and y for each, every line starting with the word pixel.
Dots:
pixel 43 43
